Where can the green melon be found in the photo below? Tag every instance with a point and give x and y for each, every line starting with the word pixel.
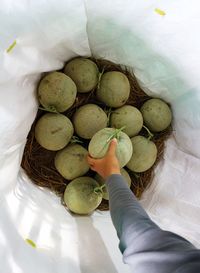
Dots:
pixel 84 73
pixel 71 162
pixel 53 131
pixel 114 89
pixel 58 91
pixel 144 154
pixel 101 182
pixel 128 116
pixel 81 196
pixel 99 144
pixel 88 120
pixel 156 114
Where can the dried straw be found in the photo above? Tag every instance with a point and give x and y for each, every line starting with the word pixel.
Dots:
pixel 39 162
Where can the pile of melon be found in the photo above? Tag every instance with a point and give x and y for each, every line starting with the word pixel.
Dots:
pixel 92 126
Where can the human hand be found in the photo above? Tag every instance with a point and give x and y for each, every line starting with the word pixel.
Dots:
pixel 107 165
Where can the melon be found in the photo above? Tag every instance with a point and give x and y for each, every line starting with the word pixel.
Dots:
pixel 57 91
pixel 84 73
pixel 88 120
pixel 144 154
pixel 71 162
pixel 114 89
pixel 129 117
pixel 99 144
pixel 53 131
pixel 156 114
pixel 82 195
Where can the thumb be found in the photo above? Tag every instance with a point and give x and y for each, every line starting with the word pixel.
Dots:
pixel 90 160
pixel 112 147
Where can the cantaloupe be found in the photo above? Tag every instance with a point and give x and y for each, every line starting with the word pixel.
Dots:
pixel 114 89
pixel 57 91
pixel 81 195
pixel 71 162
pixel 156 114
pixel 53 131
pixel 84 73
pixel 88 120
pixel 144 154
pixel 99 144
pixel 129 117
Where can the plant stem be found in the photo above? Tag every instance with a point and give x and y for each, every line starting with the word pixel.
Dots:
pixel 115 134
pixel 50 109
pixel 75 139
pixel 150 135
pixel 136 175
pixel 100 75
pixel 109 113
pixel 99 189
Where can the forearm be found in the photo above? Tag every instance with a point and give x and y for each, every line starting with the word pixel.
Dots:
pixel 126 212
pixel 143 244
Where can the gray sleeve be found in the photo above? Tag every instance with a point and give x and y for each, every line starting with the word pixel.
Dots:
pixel 145 247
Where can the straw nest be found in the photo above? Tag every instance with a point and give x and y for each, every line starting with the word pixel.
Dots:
pixel 38 162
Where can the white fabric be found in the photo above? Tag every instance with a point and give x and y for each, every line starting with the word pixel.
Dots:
pixel 164 52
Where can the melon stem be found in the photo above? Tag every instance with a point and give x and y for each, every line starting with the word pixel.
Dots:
pixel 109 113
pixel 99 80
pixel 136 175
pixel 99 189
pixel 150 135
pixel 75 139
pixel 116 134
pixel 51 109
